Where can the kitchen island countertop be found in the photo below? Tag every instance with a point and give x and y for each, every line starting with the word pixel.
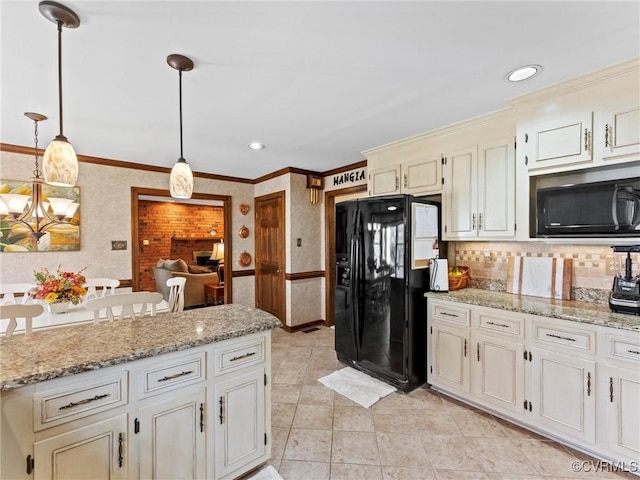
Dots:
pixel 596 314
pixel 44 355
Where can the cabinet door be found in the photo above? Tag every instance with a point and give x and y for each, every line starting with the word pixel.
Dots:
pixel 623 414
pixel 239 421
pixel 496 189
pixel 620 135
pixel 498 373
pixel 563 393
pixel 96 451
pixel 172 436
pixel 461 194
pixel 422 177
pixel 384 181
pixel 561 142
pixel 450 357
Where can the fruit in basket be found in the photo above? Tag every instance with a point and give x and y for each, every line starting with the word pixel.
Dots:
pixel 455 272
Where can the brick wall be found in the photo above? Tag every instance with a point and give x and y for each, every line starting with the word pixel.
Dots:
pixel 174 230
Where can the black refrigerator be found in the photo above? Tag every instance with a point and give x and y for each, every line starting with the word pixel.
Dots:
pixel 382 249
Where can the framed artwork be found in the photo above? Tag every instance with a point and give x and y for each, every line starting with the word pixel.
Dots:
pixel 15 237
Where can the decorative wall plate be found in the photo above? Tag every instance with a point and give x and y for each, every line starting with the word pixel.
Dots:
pixel 244 259
pixel 243 232
pixel 244 208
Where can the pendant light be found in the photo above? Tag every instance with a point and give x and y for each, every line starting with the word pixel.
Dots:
pixel 181 179
pixel 60 163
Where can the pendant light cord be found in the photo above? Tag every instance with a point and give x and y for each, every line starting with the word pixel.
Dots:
pixel 180 96
pixel 60 73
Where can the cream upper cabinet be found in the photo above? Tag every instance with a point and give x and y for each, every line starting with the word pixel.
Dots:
pixel 384 180
pixel 620 133
pixel 562 141
pixel 416 177
pixel 480 192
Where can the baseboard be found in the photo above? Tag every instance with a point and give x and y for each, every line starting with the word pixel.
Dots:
pixel 304 326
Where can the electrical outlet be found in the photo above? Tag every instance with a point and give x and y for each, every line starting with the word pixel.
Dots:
pixel 610 265
pixel 487 257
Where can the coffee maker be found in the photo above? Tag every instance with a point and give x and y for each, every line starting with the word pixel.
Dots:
pixel 625 293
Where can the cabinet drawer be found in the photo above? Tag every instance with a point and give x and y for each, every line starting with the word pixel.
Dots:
pixel 78 400
pixel 174 373
pixel 509 326
pixel 624 348
pixel 450 314
pixel 575 339
pixel 238 355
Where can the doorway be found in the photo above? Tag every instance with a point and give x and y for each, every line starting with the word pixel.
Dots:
pixel 330 200
pixel 183 240
pixel 270 254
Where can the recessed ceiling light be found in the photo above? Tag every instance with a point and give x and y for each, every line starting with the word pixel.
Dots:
pixel 256 146
pixel 523 73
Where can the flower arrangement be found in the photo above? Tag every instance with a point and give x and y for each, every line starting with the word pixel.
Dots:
pixel 61 287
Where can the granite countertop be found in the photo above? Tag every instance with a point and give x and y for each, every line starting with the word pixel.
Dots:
pixel 596 314
pixel 49 354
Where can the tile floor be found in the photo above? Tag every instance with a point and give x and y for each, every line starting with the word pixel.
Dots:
pixel 319 434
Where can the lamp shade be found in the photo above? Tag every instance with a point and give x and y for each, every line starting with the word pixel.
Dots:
pixel 181 180
pixel 60 163
pixel 218 252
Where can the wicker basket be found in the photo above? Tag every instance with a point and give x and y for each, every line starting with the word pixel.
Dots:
pixel 456 282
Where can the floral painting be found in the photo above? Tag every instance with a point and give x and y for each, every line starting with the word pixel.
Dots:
pixel 15 236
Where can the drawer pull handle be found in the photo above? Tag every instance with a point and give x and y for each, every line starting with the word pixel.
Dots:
pixel 447 314
pixel 83 402
pixel 120 449
pixel 498 324
pixel 635 352
pixel 569 339
pixel 588 384
pixel 221 416
pixel 171 377
pixel 243 356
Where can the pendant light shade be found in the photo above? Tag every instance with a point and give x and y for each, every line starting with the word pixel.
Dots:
pixel 181 179
pixel 60 163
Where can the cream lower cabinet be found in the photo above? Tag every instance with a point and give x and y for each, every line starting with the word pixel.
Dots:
pixel 172 435
pixel 575 382
pixel 563 394
pixel 96 451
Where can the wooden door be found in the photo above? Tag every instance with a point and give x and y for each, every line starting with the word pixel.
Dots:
pixel 270 251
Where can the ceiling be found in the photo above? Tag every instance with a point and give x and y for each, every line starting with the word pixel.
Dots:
pixel 317 82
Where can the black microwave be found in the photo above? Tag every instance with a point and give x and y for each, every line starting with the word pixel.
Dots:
pixel 599 209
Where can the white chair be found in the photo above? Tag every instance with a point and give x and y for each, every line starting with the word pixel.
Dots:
pixel 8 292
pixel 107 285
pixel 125 302
pixel 176 293
pixel 15 311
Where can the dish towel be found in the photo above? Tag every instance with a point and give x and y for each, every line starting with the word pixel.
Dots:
pixel 357 386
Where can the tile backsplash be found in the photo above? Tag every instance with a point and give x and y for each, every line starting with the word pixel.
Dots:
pixel 591 279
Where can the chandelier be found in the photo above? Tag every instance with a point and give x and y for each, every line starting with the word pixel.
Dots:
pixel 33 211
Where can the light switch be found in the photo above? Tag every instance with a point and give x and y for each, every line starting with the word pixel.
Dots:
pixel 145 243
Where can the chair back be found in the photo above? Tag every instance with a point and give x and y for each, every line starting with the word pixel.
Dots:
pixel 107 285
pixel 220 271
pixel 136 304
pixel 176 293
pixel 15 311
pixel 8 292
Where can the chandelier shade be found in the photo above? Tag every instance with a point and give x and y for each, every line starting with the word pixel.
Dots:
pixel 181 178
pixel 60 162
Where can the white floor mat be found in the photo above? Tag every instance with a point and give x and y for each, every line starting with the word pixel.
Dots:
pixel 357 386
pixel 267 473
